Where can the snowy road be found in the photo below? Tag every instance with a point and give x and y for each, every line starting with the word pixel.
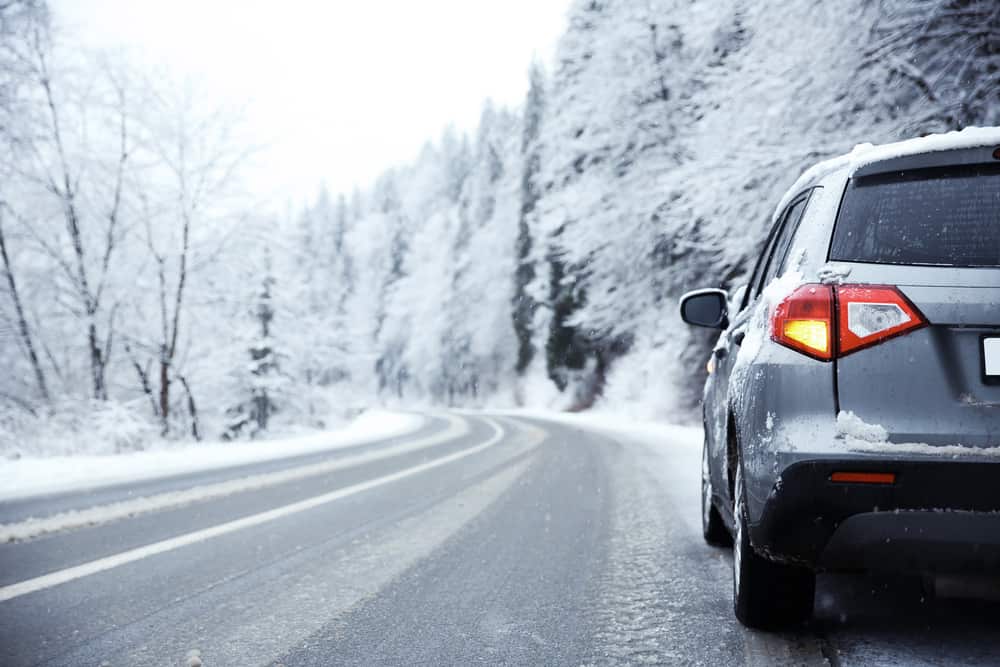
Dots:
pixel 477 539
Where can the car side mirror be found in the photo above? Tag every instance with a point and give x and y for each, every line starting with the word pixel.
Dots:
pixel 705 308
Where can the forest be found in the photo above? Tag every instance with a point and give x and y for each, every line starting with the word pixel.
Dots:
pixel 146 294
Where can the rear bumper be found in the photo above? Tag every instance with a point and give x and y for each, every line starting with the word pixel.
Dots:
pixel 939 516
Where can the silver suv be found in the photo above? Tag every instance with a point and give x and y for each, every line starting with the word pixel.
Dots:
pixel 852 410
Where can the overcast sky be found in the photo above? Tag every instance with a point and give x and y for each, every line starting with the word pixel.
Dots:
pixel 338 89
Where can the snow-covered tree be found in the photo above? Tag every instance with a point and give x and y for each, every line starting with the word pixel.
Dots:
pixel 524 305
pixel 264 380
pixel 607 139
pixel 480 345
pixel 929 66
pixel 536 257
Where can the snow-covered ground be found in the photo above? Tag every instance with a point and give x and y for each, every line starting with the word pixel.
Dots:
pixel 654 434
pixel 668 453
pixel 27 477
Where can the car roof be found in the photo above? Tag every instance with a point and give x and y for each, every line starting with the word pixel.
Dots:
pixel 869 158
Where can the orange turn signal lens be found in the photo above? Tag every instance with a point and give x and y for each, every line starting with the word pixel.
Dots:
pixel 813 334
pixel 864 477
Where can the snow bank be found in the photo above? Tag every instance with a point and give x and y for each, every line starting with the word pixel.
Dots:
pixel 78 427
pixel 637 386
pixel 654 433
pixel 27 477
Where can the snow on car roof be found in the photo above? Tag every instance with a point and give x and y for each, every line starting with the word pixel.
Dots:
pixel 866 154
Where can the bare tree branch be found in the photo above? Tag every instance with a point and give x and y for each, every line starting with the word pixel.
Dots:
pixel 22 321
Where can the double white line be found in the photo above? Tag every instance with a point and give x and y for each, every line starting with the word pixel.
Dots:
pixel 102 564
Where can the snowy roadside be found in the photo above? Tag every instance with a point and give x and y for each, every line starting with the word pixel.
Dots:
pixel 653 434
pixel 29 477
pixel 663 441
pixel 670 453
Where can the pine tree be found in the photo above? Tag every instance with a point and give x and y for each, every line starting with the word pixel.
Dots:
pixel 523 305
pixel 480 344
pixel 265 381
pixel 389 369
pixel 607 137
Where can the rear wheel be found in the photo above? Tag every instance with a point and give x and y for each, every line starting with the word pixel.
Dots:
pixel 766 595
pixel 712 527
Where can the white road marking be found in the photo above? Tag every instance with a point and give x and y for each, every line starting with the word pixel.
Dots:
pixel 102 564
pixel 100 514
pixel 282 610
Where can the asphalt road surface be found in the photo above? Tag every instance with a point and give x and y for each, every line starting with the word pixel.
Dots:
pixel 477 540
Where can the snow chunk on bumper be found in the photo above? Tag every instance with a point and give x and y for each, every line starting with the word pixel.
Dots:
pixel 852 427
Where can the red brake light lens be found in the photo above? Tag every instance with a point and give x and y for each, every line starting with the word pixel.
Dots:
pixel 871 314
pixel 859 315
pixel 803 321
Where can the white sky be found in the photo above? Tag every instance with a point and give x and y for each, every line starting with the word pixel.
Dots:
pixel 337 89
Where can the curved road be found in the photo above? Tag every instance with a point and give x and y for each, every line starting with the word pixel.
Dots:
pixel 478 539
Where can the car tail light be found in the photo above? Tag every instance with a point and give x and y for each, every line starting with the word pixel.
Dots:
pixel 859 315
pixel 804 321
pixel 870 314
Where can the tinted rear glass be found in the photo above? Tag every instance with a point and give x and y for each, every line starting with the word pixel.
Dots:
pixel 944 217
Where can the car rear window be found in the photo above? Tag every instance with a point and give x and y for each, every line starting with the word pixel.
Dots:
pixel 940 217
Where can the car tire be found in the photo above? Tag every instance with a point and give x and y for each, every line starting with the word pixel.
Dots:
pixel 712 527
pixel 766 595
